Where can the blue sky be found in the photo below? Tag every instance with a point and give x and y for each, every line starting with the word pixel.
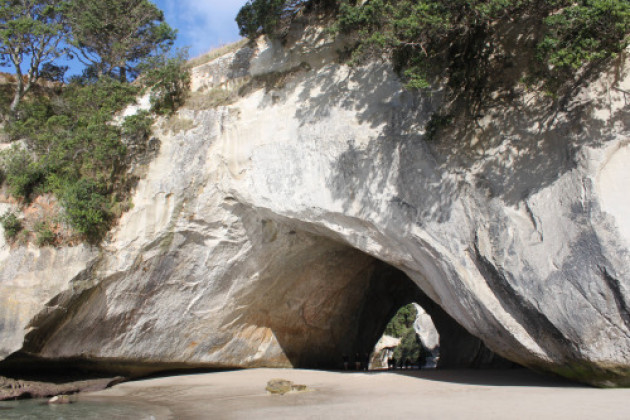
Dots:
pixel 202 25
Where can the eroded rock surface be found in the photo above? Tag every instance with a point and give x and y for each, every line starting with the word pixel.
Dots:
pixel 256 235
pixel 428 334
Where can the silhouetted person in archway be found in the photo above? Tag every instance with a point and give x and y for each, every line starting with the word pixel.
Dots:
pixel 390 363
pixel 366 361
pixel 357 361
pixel 346 362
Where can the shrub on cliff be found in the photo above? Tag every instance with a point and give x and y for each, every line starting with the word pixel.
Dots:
pixel 87 207
pixel 44 234
pixel 462 34
pixel 11 225
pixel 168 79
pixel 22 174
pixel 273 17
pixel 72 145
pixel 72 148
pixel 459 36
pixel 259 16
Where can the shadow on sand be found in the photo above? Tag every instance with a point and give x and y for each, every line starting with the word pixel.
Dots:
pixel 491 377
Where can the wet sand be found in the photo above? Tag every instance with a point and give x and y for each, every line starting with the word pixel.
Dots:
pixel 447 394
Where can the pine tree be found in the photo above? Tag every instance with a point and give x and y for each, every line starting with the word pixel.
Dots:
pixel 113 36
pixel 31 35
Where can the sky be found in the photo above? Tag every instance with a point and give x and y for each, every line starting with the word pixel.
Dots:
pixel 202 25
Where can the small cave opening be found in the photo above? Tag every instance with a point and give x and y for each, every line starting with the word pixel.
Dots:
pixel 395 307
pixel 410 340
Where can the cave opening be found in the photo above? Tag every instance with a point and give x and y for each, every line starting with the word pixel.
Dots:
pixel 327 304
pixel 410 340
pixel 314 302
pixel 391 294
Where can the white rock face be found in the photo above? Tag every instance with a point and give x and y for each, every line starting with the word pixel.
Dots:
pixel 383 350
pixel 426 331
pixel 31 277
pixel 254 235
pixel 613 179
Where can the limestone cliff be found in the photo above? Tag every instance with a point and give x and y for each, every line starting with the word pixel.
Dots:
pixel 269 230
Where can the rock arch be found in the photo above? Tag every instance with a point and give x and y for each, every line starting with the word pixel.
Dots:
pixel 298 299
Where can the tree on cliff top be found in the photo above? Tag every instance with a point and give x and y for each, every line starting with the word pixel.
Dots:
pixel 272 17
pixel 112 37
pixel 31 32
pixel 260 16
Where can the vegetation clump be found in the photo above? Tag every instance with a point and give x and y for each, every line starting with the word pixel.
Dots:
pixel 45 234
pixel 455 40
pixel 11 224
pixel 274 17
pixel 72 144
pixel 169 78
pixel 401 326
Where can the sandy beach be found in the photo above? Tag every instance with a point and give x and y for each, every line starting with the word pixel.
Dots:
pixel 447 394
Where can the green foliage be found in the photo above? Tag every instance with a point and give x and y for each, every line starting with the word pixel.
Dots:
pixel 22 174
pixel 410 347
pixel 45 235
pixel 114 36
pixel 168 78
pixel 454 40
pixel 588 31
pixel 87 207
pixel 402 322
pixel 31 32
pixel 73 147
pixel 259 16
pixel 53 73
pixel 138 125
pixel 416 32
pixel 80 155
pixel 401 326
pixel 11 224
pixel 270 17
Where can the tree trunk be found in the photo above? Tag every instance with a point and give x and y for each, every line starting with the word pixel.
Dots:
pixel 19 93
pixel 15 103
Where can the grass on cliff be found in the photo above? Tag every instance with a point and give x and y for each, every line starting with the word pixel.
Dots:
pixel 221 95
pixel 216 53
